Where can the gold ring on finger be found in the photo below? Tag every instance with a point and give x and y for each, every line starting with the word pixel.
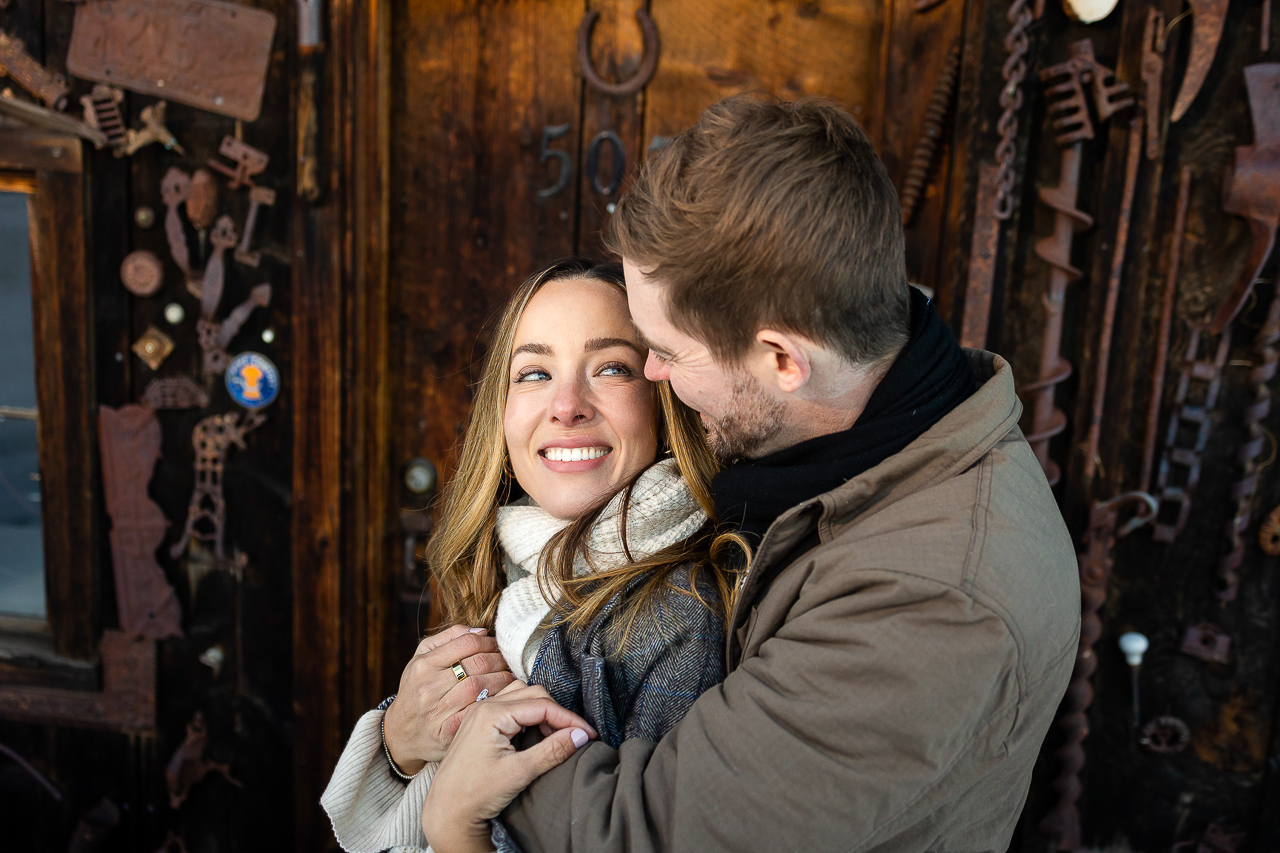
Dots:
pixel 458 672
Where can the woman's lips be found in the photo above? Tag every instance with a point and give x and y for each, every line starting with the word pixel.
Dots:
pixel 574 460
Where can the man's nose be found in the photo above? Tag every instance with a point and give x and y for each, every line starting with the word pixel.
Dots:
pixel 655 369
pixel 572 403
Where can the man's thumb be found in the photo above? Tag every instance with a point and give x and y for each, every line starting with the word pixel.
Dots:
pixel 552 751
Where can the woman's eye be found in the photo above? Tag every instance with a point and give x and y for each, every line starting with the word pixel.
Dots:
pixel 532 374
pixel 615 370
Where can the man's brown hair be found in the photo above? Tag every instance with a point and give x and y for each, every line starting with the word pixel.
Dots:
pixel 772 214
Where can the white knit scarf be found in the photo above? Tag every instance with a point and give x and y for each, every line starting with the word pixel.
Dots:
pixel 662 512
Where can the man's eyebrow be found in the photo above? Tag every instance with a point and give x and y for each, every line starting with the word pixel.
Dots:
pixel 544 350
pixel 596 344
pixel 645 342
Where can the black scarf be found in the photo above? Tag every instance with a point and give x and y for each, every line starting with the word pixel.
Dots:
pixel 929 378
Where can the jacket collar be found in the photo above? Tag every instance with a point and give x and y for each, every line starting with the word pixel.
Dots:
pixel 956 442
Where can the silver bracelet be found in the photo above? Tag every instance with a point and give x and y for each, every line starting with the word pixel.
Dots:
pixel 382 725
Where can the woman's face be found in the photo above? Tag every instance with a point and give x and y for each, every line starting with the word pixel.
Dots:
pixel 581 418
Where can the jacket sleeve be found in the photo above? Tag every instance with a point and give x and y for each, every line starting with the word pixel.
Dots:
pixel 873 704
pixel 370 809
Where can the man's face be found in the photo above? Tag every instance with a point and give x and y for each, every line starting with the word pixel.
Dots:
pixel 741 418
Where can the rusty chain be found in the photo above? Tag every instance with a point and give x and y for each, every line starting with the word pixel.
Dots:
pixel 1244 489
pixel 1014 71
pixel 1191 414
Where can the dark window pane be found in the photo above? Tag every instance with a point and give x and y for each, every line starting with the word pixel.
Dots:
pixel 21 538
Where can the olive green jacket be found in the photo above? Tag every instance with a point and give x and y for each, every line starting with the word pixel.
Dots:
pixel 887 691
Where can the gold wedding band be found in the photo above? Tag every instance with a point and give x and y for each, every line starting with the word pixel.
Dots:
pixel 458 672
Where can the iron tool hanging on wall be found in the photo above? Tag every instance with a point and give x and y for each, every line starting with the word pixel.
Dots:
pixel 648 64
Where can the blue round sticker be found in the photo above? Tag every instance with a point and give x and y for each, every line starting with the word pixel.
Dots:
pixel 252 380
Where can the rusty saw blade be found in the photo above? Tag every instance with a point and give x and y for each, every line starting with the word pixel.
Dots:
pixel 1206 32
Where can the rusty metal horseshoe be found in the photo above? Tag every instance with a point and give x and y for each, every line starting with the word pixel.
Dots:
pixel 647 65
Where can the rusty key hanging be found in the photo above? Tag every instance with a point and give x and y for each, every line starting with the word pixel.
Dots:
pixel 258 196
pixel 1095 562
pixel 206 515
pixel 1069 112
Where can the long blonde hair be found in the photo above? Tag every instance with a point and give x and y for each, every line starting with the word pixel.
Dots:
pixel 463 552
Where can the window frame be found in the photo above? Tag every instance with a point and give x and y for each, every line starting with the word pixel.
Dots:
pixel 49 168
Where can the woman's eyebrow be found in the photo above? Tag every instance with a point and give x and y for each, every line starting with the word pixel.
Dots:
pixel 596 344
pixel 545 350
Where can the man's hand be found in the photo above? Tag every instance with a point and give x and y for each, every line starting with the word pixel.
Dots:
pixel 483 772
pixel 431 701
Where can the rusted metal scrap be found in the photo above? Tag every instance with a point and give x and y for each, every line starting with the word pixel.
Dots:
pixel 1208 642
pixel 153 130
pixel 94 826
pixel 1250 452
pixel 648 63
pixel 46 85
pixel 1152 75
pixel 249 162
pixel 1206 32
pixel 1252 188
pixel 1166 735
pixel 1166 326
pixel 189 766
pixel 102 110
pixel 222 237
pixel 1070 117
pixel 130 446
pixel 1017 44
pixel 204 53
pixel 175 187
pixel 1095 562
pixel 174 392
pixel 206 515
pixel 935 118
pixel 982 261
pixel 1195 399
pixel 1113 296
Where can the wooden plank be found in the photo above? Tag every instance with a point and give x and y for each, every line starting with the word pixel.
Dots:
pixel 617 50
pixel 716 48
pixel 39 150
pixel 916 50
pixel 64 396
pixel 476 86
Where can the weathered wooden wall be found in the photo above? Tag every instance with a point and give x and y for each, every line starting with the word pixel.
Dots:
pixel 247 705
pixel 439 125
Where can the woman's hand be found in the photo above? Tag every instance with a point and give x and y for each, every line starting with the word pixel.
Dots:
pixel 483 772
pixel 431 701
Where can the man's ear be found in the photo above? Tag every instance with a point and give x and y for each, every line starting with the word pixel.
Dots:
pixel 783 359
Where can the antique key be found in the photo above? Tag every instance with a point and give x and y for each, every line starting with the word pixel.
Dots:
pixel 258 196
pixel 249 162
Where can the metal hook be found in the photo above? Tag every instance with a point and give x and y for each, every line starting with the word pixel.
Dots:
pixel 1144 500
pixel 647 65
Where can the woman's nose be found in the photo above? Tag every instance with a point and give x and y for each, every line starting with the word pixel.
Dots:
pixel 572 403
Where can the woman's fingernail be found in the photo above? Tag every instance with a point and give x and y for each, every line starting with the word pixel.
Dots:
pixel 579 738
pixel 476 631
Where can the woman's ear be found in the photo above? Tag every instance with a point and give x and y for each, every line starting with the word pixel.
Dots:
pixel 781 360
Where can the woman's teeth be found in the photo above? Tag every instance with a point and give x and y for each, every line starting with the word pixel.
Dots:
pixel 574 454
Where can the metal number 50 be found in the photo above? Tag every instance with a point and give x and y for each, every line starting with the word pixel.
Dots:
pixel 557 131
pixel 549 133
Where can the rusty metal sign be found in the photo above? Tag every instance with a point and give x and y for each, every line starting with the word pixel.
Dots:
pixel 130 442
pixel 202 53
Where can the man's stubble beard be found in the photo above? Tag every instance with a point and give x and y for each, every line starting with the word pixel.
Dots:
pixel 752 419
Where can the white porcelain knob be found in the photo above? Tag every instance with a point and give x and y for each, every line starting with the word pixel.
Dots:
pixel 1134 646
